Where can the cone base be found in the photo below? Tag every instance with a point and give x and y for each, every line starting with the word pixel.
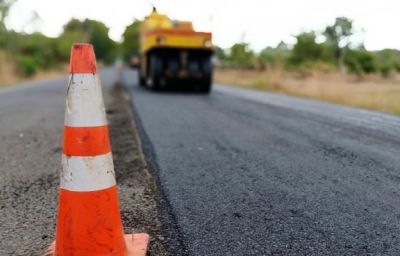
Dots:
pixel 135 243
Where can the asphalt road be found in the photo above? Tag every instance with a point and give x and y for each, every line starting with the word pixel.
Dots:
pixel 254 173
pixel 237 172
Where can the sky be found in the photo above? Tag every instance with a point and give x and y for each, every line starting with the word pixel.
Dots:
pixel 260 23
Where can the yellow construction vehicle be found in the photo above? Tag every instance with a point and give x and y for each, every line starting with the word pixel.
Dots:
pixel 172 53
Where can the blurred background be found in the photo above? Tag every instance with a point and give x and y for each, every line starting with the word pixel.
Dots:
pixel 341 51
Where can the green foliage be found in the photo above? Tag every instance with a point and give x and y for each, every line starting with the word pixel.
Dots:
pixel 338 38
pixel 306 49
pixel 5 6
pixel 241 56
pixel 27 65
pixel 40 49
pixel 339 32
pixel 397 67
pixel 388 61
pixel 360 61
pixel 308 54
pixel 64 42
pixel 32 52
pixel 37 51
pixel 130 43
pixel 76 25
pixel 93 32
pixel 385 69
pixel 274 57
pixel 105 48
pixel 220 53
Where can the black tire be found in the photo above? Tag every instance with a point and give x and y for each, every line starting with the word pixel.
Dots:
pixel 206 81
pixel 155 79
pixel 173 67
pixel 142 81
pixel 205 88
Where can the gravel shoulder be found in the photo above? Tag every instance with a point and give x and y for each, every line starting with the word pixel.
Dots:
pixel 138 193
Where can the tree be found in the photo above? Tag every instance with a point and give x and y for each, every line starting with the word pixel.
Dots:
pixel 220 53
pixel 388 60
pixel 90 31
pixel 105 47
pixel 360 61
pixel 338 38
pixel 40 48
pixel 5 6
pixel 241 55
pixel 64 42
pixel 274 56
pixel 306 49
pixel 131 40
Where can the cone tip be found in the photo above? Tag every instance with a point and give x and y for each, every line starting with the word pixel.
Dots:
pixel 83 59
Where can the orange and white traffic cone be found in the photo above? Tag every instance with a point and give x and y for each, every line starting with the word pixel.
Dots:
pixel 89 221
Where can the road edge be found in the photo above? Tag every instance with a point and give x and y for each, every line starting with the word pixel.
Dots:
pixel 176 245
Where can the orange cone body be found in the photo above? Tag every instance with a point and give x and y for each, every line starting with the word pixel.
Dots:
pixel 89 220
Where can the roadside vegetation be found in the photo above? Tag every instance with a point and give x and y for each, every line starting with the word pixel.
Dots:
pixel 35 55
pixel 326 65
pixel 26 56
pixel 331 49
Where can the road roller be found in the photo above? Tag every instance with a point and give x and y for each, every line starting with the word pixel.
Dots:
pixel 173 54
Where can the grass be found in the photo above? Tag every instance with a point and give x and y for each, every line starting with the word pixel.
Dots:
pixel 9 72
pixel 371 91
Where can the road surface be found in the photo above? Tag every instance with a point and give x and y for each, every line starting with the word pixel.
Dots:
pixel 237 172
pixel 254 173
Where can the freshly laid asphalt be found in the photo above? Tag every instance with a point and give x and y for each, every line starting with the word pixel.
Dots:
pixel 254 173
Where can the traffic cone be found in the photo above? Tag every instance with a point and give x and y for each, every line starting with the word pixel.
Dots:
pixel 89 221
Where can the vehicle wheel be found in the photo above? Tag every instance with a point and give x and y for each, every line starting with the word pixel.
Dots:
pixel 173 67
pixel 205 88
pixel 142 81
pixel 206 81
pixel 155 73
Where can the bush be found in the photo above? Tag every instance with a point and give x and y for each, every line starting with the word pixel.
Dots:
pixel 241 56
pixel 27 65
pixel 274 57
pixel 397 67
pixel 131 41
pixel 360 61
pixel 385 69
pixel 306 49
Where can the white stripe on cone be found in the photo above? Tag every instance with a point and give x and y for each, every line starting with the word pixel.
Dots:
pixel 84 107
pixel 87 173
